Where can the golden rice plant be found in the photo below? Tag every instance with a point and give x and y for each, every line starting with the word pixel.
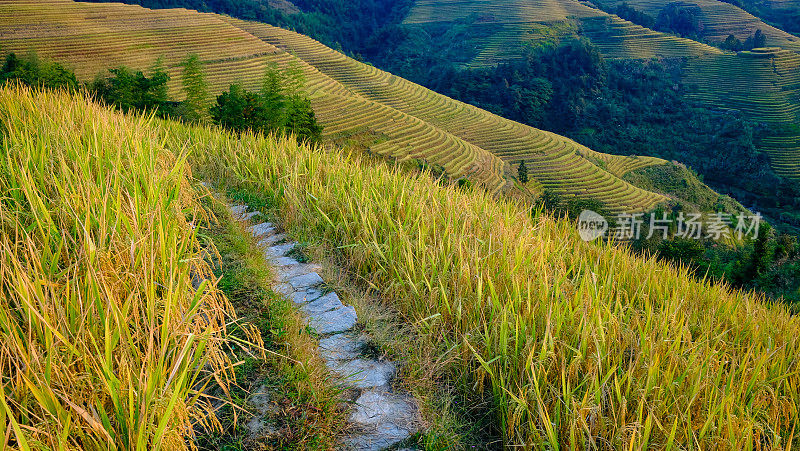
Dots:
pixel 580 345
pixel 104 341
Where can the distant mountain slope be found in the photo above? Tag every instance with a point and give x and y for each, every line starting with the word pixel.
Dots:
pixel 719 20
pixel 552 159
pixel 763 85
pixel 355 102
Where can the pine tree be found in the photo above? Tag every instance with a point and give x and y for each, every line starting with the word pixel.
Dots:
pixel 302 121
pixel 154 90
pixel 522 172
pixel 273 96
pixel 195 88
pixel 763 251
pixel 759 40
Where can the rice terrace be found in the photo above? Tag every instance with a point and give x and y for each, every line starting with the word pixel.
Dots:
pixel 399 224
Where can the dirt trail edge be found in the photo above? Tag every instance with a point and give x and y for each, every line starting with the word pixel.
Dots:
pixel 381 416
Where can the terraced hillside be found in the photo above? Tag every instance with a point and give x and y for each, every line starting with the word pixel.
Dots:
pixel 552 160
pixel 764 84
pixel 621 39
pixel 354 102
pixel 508 41
pixel 94 37
pixel 526 23
pixel 504 29
pixel 721 19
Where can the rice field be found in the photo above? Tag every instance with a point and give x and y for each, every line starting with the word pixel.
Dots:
pixel 576 345
pixel 721 19
pixel 554 161
pixel 355 103
pixel 105 341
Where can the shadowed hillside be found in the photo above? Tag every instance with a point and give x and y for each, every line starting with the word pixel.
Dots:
pixel 761 84
pixel 719 19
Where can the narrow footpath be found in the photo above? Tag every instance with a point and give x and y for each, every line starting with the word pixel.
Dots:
pixel 381 417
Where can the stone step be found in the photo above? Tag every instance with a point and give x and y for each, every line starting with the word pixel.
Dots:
pixel 271 239
pixel 334 321
pixel 304 281
pixel 302 297
pixel 340 347
pixel 381 417
pixel 361 373
pixel 322 304
pixel 279 250
pixel 262 229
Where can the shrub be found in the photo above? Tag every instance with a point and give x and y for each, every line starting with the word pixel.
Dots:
pixel 134 91
pixel 31 71
pixel 280 107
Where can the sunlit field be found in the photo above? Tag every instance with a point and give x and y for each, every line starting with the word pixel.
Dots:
pixel 580 345
pixel 105 342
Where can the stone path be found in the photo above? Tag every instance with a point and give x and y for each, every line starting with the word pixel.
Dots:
pixel 381 416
